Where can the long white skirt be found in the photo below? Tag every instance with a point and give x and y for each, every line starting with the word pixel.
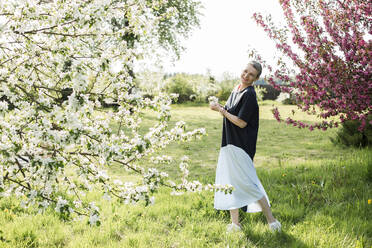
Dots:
pixel 235 167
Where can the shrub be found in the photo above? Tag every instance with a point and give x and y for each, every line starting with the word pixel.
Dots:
pixel 349 135
pixel 271 93
pixel 179 85
pixel 225 86
pixel 203 91
pixel 223 93
pixel 260 92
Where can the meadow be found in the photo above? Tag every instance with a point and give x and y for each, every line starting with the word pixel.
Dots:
pixel 319 191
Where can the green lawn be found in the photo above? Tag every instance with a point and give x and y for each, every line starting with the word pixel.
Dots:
pixel 318 191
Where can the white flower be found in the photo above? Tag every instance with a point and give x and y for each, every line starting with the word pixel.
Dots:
pixel 44 204
pixel 93 207
pixel 137 141
pixel 202 131
pixel 77 204
pixel 107 196
pixel 3 106
pixel 141 189
pixel 48 189
pixel 164 174
pixel 213 99
pixel 178 131
pixel 161 159
pixel 93 219
pixel 60 204
pixel 33 194
pixel 165 108
pixel 118 182
pixel 184 158
pixel 57 127
pixel 101 174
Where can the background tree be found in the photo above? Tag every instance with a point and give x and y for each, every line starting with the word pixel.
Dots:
pixel 181 17
pixel 330 51
pixel 58 60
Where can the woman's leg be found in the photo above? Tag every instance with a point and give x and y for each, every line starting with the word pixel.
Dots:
pixel 266 210
pixel 234 213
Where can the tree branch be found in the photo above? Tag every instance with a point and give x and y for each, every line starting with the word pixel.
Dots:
pixel 46 28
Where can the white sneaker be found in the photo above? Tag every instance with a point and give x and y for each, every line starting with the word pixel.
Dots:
pixel 233 228
pixel 275 226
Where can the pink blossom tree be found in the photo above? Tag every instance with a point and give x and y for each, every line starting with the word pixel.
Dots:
pixel 330 50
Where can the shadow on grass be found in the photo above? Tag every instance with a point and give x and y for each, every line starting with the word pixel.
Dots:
pixel 274 240
pixel 256 231
pixel 321 203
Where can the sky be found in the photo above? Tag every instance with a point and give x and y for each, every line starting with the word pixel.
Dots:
pixel 227 30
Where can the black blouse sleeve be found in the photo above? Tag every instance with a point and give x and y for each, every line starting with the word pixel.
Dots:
pixel 248 107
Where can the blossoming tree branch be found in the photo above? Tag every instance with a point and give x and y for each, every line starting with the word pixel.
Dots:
pixel 56 70
pixel 330 51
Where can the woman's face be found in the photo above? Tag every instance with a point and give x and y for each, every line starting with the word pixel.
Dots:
pixel 249 75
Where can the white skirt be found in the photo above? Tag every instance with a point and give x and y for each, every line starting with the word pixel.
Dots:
pixel 235 167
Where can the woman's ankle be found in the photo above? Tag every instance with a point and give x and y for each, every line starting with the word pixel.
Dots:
pixel 237 223
pixel 271 220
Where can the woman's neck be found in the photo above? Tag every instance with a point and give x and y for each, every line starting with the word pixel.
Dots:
pixel 242 86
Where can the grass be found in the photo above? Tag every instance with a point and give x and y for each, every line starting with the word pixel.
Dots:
pixel 317 190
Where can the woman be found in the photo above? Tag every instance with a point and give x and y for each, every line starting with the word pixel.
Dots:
pixel 235 162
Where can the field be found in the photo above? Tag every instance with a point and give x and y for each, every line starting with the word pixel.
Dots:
pixel 320 192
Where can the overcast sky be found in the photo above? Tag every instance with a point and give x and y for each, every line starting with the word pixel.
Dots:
pixel 226 32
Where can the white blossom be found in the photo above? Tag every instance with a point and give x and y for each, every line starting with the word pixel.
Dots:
pixel 61 62
pixel 3 106
pixel 107 197
pixel 212 99
pixel 93 219
pixel 185 158
pixel 60 204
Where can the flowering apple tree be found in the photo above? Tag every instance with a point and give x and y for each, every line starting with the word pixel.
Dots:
pixel 331 59
pixel 60 60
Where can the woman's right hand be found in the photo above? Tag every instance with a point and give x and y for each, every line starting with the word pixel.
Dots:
pixel 215 106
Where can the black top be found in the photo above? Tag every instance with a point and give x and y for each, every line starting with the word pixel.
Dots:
pixel 244 105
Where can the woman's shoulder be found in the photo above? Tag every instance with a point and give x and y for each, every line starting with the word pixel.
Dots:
pixel 249 91
pixel 249 95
